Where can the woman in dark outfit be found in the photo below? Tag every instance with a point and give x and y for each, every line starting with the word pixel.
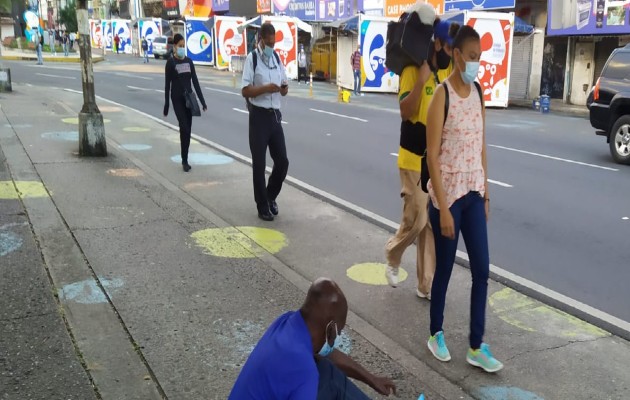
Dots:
pixel 180 71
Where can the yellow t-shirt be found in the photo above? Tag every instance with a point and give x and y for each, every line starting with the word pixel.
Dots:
pixel 413 133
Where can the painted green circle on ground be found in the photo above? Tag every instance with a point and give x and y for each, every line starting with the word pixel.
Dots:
pixel 372 274
pixel 25 189
pixel 239 242
pixel 533 316
pixel 136 129
pixel 75 120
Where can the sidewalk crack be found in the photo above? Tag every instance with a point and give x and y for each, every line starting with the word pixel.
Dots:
pixel 561 346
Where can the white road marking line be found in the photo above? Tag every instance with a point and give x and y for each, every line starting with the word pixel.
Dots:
pixel 553 158
pixel 507 185
pixel 339 115
pixel 223 91
pixel 392 226
pixel 138 88
pixel 53 67
pixel 625 218
pixel 247 112
pixel 56 76
pixel 133 76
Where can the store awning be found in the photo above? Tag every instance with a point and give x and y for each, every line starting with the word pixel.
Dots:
pixel 256 22
pixel 350 24
pixel 520 26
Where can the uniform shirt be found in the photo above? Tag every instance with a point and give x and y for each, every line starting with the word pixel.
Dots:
pixel 282 365
pixel 268 70
pixel 413 133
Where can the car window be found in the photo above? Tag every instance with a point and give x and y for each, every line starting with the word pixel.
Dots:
pixel 618 66
pixel 159 40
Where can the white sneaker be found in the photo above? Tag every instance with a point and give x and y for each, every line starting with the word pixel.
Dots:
pixel 391 274
pixel 422 295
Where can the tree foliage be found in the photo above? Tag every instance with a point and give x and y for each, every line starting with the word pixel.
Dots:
pixel 5 6
pixel 68 16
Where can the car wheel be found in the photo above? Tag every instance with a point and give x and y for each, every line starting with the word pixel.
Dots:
pixel 620 140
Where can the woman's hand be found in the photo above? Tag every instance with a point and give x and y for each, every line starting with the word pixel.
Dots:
pixel 447 224
pixel 165 111
pixel 205 108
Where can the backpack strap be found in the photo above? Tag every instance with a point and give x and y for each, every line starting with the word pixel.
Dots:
pixel 255 58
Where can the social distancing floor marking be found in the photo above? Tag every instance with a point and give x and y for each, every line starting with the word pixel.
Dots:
pixel 25 189
pixel 135 147
pixel 533 316
pixel 204 159
pixel 9 242
pixel 109 109
pixel 68 136
pixel 505 393
pixel 200 185
pixel 125 172
pixel 372 274
pixel 239 242
pixel 136 129
pixel 88 292
pixel 75 120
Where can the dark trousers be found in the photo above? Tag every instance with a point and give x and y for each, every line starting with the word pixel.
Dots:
pixel 265 130
pixel 184 117
pixel 470 218
pixel 302 74
pixel 335 385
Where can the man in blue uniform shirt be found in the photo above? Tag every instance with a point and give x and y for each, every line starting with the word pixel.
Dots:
pixel 297 359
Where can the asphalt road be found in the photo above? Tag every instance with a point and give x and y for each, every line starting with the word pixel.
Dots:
pixel 558 204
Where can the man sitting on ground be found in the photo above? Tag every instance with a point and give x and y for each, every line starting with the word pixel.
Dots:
pixel 297 358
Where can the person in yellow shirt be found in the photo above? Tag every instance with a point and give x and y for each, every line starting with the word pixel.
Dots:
pixel 417 85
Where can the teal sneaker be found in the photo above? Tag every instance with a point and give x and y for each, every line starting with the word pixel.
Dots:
pixel 438 348
pixel 484 359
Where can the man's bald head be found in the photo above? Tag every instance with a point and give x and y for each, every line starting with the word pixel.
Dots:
pixel 325 302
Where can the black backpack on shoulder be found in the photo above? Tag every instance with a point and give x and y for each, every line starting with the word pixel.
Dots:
pixel 408 42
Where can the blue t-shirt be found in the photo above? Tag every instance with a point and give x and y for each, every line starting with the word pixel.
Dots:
pixel 282 365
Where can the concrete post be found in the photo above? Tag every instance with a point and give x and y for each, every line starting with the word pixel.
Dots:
pixel 91 128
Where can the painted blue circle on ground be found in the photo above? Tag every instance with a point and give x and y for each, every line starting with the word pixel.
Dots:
pixel 136 147
pixel 69 136
pixel 506 393
pixel 204 159
pixel 9 242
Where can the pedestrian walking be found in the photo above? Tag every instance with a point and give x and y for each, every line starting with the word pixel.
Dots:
pixel 264 84
pixel 116 44
pixel 65 39
pixel 355 61
pixel 145 50
pixel 179 73
pixel 302 63
pixel 40 48
pixel 459 194
pixel 297 358
pixel 73 37
pixel 417 85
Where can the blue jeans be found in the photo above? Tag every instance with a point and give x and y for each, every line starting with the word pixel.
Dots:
pixel 357 81
pixel 334 385
pixel 469 215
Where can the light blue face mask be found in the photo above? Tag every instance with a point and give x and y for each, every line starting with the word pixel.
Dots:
pixel 326 348
pixel 181 52
pixel 268 51
pixel 470 74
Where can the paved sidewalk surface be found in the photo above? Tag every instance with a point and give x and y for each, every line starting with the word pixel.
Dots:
pixel 59 57
pixel 167 279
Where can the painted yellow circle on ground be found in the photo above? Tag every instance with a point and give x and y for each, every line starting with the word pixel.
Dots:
pixel 75 120
pixel 25 189
pixel 372 273
pixel 239 242
pixel 136 129
pixel 533 316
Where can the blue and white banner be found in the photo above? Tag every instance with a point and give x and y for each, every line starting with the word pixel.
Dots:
pixel 375 77
pixel 199 41
pixel 106 28
pixel 122 29
pixel 150 29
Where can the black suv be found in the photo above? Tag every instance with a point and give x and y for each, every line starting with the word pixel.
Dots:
pixel 610 109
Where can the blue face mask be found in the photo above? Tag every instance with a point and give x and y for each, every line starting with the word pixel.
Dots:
pixel 181 52
pixel 470 74
pixel 268 51
pixel 328 349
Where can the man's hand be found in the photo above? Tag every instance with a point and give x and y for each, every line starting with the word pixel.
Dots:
pixel 272 88
pixel 424 73
pixel 382 385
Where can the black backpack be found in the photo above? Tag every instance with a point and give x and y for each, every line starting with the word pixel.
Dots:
pixel 424 171
pixel 255 62
pixel 408 42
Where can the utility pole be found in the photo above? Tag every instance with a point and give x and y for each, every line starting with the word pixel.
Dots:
pixel 91 128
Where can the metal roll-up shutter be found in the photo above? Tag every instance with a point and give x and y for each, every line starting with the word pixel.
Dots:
pixel 603 49
pixel 521 66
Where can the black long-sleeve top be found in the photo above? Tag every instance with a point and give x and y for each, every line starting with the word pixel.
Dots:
pixel 178 75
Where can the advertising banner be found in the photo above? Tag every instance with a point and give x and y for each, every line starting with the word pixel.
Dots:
pixel 150 29
pixel 198 8
pixel 228 41
pixel 221 5
pixel 302 9
pixel 286 43
pixel 372 7
pixel 108 38
pixel 496 31
pixel 463 5
pixel 263 6
pixel 588 17
pixel 170 9
pixel 96 34
pixel 122 28
pixel 199 42
pixel 375 77
pixel 394 8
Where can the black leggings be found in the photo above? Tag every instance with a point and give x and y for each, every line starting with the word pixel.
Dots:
pixel 184 117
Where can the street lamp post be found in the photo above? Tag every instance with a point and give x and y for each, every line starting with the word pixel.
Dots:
pixel 91 128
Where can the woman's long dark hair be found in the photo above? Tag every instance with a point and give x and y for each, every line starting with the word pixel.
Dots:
pixel 464 34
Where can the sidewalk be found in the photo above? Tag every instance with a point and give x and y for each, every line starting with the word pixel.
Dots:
pixel 168 279
pixel 30 55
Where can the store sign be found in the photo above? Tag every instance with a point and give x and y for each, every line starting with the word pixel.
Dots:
pixel 588 17
pixel 394 8
pixel 302 9
pixel 170 9
pixel 263 6
pixel 372 7
pixel 314 10
pixel 220 5
pixel 461 5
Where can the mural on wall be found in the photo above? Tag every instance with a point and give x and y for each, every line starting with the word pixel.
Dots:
pixel 228 41
pixel 122 28
pixel 375 76
pixel 588 17
pixel 33 27
pixel 96 34
pixel 199 41
pixel 108 38
pixel 150 29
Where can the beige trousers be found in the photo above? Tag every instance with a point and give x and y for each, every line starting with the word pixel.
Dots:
pixel 414 227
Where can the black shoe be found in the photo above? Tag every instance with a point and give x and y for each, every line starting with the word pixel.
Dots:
pixel 273 207
pixel 266 216
pixel 186 167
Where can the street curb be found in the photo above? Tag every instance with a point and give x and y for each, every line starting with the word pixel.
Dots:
pixel 95 59
pixel 565 112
